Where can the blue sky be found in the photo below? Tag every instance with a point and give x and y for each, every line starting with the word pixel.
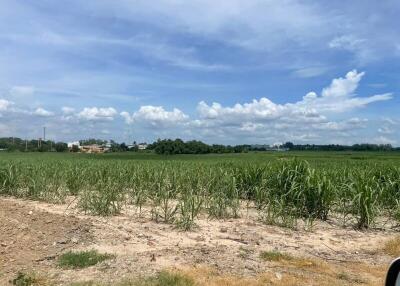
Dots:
pixel 256 71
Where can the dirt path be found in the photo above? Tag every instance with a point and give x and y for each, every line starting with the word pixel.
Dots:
pixel 33 234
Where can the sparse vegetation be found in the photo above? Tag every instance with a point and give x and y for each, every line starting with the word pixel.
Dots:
pixel 27 279
pixel 275 256
pixel 164 278
pixel 82 259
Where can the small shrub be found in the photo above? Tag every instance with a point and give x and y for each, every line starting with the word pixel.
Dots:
pixel 82 259
pixel 168 279
pixel 25 279
pixel 275 256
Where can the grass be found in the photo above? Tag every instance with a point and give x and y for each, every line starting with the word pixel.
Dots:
pixel 82 259
pixel 28 279
pixel 275 256
pixel 392 247
pixel 164 278
pixel 328 275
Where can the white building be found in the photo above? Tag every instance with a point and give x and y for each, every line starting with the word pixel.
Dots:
pixel 71 144
pixel 142 146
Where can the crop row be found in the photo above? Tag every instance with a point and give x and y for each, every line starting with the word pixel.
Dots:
pixel 283 192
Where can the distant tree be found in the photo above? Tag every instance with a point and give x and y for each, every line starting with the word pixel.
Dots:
pixel 123 147
pixel 61 147
pixel 75 148
pixel 288 145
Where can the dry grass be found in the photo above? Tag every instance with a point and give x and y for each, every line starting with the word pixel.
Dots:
pixel 293 272
pixel 28 279
pixel 275 256
pixel 392 247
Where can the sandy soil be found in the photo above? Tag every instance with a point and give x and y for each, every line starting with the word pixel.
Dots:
pixel 33 234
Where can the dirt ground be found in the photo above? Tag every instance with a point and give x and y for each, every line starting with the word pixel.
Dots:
pixel 33 234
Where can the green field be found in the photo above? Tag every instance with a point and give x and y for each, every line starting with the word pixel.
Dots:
pixel 284 187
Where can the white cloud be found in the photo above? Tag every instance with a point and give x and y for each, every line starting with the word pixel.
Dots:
pixel 385 130
pixel 22 91
pixel 155 116
pixel 4 104
pixel 67 110
pixel 390 121
pixel 309 72
pixel 347 42
pixel 43 112
pixel 383 140
pixel 343 86
pixel 337 97
pixel 97 114
pixel 304 120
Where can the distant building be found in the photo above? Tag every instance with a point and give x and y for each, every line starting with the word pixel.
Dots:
pixel 72 144
pixel 94 148
pixel 142 146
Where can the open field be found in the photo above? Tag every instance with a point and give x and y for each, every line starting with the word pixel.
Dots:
pixel 247 219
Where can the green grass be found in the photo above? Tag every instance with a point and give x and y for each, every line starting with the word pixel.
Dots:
pixel 27 279
pixel 275 256
pixel 82 259
pixel 164 278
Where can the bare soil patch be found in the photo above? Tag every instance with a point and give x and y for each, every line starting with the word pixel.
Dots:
pixel 33 234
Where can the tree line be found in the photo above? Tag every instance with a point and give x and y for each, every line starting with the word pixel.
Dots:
pixel 178 146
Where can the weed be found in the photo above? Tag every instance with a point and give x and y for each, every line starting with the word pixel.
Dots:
pixel 275 256
pixel 82 259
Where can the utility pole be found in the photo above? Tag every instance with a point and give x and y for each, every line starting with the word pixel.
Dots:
pixel 44 133
pixel 26 145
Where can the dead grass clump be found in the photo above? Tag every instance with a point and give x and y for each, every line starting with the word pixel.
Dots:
pixel 392 247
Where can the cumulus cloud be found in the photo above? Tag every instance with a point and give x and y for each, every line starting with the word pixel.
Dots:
pixel 337 97
pixel 97 114
pixel 302 120
pixel 155 116
pixel 43 112
pixel 310 119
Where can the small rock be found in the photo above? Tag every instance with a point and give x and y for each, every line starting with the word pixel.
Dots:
pixel 249 267
pixel 199 238
pixel 74 240
pixel 62 241
pixel 3 244
pixel 127 237
pixel 30 212
pixel 223 229
pixel 278 276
